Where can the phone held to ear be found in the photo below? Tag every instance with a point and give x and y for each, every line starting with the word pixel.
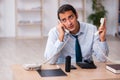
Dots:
pixel 66 31
pixel 64 28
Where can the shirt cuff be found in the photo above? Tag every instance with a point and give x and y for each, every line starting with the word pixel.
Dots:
pixel 103 45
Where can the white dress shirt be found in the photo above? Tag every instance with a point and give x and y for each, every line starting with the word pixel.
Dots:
pixel 56 51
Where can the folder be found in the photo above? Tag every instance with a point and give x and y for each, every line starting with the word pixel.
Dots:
pixel 51 72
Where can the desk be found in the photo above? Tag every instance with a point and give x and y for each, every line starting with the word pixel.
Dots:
pixel 101 73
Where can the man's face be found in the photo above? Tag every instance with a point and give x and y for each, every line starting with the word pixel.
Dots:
pixel 69 20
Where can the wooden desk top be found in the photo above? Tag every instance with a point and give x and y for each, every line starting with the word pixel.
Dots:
pixel 101 73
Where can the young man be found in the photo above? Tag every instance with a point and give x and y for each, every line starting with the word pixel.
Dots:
pixel 62 43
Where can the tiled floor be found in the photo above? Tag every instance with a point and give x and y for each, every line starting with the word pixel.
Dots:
pixel 22 51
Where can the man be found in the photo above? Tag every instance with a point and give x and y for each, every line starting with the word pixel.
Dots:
pixel 61 43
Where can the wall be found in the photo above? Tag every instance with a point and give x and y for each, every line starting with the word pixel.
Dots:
pixel 50 19
pixel 50 15
pixel 7 18
pixel 112 16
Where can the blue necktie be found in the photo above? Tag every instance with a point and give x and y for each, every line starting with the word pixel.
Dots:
pixel 78 50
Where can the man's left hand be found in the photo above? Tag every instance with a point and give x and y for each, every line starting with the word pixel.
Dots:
pixel 102 31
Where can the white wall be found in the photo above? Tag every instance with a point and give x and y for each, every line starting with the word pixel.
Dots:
pixel 7 18
pixel 50 15
pixel 7 28
pixel 112 16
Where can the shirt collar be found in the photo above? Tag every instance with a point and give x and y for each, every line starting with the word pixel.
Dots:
pixel 81 31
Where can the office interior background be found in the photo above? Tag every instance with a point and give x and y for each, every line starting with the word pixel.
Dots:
pixel 9 13
pixel 24 26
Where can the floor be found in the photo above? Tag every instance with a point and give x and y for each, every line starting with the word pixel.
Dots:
pixel 21 51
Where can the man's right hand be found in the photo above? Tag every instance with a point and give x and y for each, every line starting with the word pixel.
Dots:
pixel 61 31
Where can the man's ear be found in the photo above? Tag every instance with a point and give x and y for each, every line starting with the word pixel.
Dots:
pixel 77 15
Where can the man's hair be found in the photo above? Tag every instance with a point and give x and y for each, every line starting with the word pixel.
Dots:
pixel 64 8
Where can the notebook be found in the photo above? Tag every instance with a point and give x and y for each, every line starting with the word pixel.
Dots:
pixel 115 68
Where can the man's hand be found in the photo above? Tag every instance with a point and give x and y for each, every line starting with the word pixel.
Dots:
pixel 61 31
pixel 102 30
